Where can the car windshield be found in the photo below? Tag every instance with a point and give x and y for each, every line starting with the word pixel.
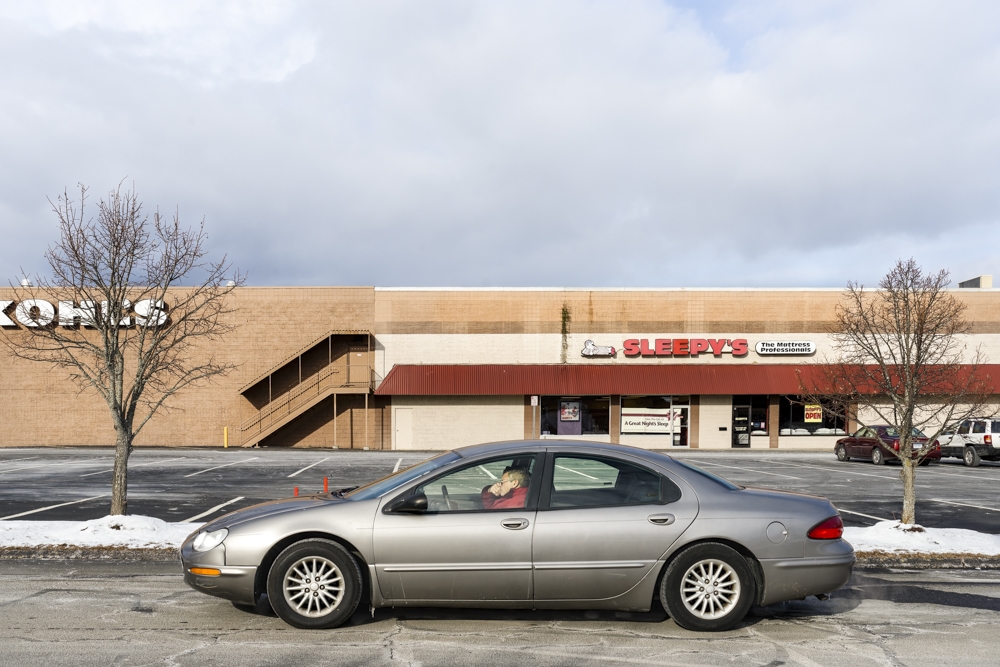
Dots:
pixel 398 479
pixel 704 473
pixel 893 432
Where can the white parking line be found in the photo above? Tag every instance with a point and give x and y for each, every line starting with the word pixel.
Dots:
pixel 395 468
pixel 953 502
pixel 226 465
pixel 45 465
pixel 583 474
pixel 488 473
pixel 867 516
pixel 51 507
pixel 763 472
pixel 214 509
pixel 307 467
pixel 831 468
pixel 136 465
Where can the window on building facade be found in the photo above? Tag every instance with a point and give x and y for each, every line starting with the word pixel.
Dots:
pixel 758 412
pixel 575 415
pixel 795 417
pixel 657 415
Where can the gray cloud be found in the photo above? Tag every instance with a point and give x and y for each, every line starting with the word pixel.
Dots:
pixel 562 143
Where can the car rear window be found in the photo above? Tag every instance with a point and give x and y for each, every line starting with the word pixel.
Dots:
pixel 704 473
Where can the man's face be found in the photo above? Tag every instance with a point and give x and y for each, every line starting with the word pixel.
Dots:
pixel 506 484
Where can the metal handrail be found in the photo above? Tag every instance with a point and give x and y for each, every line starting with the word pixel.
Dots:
pixel 306 391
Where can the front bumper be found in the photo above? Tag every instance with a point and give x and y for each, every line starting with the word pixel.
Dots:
pixel 232 583
pixel 797 578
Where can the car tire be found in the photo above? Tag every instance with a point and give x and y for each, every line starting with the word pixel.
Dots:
pixel 842 453
pixel 688 589
pixel 878 458
pixel 925 462
pixel 314 584
pixel 971 457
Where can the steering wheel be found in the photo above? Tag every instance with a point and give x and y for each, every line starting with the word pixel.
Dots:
pixel 447 498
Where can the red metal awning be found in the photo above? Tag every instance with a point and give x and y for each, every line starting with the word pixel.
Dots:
pixel 595 380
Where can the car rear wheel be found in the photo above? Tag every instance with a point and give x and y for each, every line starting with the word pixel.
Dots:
pixel 708 587
pixel 971 457
pixel 878 458
pixel 842 453
pixel 314 584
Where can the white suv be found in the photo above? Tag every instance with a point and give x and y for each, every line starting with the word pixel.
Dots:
pixel 974 439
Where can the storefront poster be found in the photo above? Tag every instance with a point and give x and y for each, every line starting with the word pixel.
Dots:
pixel 651 420
pixel 569 411
pixel 814 413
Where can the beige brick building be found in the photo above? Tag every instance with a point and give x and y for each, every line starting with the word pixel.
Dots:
pixel 356 367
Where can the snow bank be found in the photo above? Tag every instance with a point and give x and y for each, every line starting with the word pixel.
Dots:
pixel 891 536
pixel 136 532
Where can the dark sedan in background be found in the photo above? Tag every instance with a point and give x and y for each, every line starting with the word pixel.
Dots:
pixel 528 525
pixel 880 444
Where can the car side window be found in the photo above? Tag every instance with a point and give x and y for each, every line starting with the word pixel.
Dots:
pixel 497 484
pixel 978 427
pixel 964 428
pixel 586 481
pixel 995 427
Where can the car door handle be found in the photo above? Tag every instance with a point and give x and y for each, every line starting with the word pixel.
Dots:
pixel 514 524
pixel 661 519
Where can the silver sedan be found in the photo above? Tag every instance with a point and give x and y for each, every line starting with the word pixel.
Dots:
pixel 535 525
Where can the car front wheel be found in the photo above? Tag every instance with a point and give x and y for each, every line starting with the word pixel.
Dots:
pixel 878 458
pixel 708 587
pixel 842 453
pixel 314 584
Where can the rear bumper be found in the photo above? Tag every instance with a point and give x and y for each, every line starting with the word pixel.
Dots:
pixel 797 578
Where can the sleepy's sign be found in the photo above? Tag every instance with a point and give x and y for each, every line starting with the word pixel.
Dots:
pixel 685 347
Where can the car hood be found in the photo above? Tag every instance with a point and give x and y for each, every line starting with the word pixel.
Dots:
pixel 269 509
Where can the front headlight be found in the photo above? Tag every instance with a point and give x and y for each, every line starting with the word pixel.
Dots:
pixel 205 541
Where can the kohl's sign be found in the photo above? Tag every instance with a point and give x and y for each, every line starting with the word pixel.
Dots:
pixel 41 313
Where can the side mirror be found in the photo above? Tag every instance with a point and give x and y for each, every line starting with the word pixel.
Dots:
pixel 415 504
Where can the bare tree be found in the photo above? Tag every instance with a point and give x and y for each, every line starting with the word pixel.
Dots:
pixel 902 361
pixel 136 299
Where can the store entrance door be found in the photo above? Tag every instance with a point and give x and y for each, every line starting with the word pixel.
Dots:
pixel 741 426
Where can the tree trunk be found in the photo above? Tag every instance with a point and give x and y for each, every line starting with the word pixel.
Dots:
pixel 119 478
pixel 909 476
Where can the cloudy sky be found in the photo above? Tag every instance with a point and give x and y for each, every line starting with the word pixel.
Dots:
pixel 463 143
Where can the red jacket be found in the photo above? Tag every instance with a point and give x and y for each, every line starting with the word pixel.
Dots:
pixel 513 500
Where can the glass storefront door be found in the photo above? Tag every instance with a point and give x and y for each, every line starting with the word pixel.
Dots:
pixel 657 415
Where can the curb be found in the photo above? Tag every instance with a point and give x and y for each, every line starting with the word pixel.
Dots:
pixel 916 561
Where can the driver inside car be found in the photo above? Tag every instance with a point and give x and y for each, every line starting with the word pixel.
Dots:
pixel 510 492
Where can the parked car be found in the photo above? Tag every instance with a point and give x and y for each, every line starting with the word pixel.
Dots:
pixel 973 441
pixel 597 526
pixel 879 445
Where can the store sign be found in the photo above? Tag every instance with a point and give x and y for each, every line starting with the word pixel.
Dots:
pixel 685 347
pixel 592 350
pixel 814 413
pixel 41 313
pixel 785 347
pixel 651 420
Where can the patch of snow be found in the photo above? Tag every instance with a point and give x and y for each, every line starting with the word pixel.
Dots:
pixel 136 532
pixel 895 537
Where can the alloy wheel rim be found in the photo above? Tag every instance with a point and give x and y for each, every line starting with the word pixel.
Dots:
pixel 710 589
pixel 313 586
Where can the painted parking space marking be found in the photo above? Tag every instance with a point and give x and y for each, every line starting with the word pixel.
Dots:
pixel 308 466
pixel 134 465
pixel 830 468
pixel 763 472
pixel 488 473
pixel 395 468
pixel 955 502
pixel 213 510
pixel 225 465
pixel 51 507
pixel 583 474
pixel 867 516
pixel 47 465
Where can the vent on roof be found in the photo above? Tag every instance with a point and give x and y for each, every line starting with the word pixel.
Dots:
pixel 980 282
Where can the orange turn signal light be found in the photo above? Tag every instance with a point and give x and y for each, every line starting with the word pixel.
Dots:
pixel 205 571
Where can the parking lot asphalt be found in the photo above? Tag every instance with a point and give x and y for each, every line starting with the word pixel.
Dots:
pixel 179 484
pixel 93 613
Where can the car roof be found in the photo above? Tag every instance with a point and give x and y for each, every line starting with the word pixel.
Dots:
pixel 472 451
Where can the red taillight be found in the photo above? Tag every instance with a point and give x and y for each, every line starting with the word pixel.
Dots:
pixel 831 529
pixel 895 445
pixel 988 439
